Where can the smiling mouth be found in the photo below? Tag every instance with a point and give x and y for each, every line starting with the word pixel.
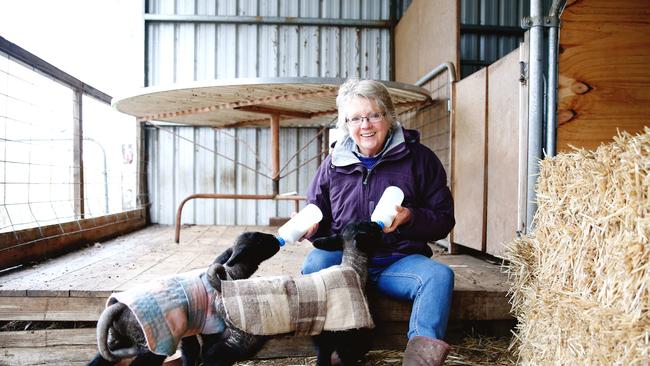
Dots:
pixel 370 134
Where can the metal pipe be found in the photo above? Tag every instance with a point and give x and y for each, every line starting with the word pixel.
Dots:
pixel 50 70
pixel 551 94
pixel 303 21
pixel 535 107
pixel 551 108
pixel 451 72
pixel 451 79
pixel 179 211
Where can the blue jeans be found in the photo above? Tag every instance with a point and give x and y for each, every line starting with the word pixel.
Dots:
pixel 427 283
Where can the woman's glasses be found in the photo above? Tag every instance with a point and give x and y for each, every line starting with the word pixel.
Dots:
pixel 372 118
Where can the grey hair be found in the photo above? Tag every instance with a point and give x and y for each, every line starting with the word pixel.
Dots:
pixel 369 89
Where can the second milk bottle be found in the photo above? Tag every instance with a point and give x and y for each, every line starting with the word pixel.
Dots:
pixel 385 211
pixel 297 226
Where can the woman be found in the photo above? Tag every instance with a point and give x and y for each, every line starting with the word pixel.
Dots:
pixel 376 152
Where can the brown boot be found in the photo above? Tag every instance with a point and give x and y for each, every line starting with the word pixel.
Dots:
pixel 425 351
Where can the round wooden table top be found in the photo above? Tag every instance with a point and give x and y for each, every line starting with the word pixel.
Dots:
pixel 300 102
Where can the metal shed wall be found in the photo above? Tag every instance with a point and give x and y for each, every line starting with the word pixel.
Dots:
pixel 182 160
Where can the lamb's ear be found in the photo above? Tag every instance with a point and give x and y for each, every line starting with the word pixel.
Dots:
pixel 223 257
pixel 330 243
pixel 216 273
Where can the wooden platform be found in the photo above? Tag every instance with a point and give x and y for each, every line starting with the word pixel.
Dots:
pixel 74 287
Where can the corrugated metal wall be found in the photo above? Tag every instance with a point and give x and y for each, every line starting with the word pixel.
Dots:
pixel 490 29
pixel 484 43
pixel 182 160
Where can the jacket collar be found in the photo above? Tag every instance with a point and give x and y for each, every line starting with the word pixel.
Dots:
pixel 343 153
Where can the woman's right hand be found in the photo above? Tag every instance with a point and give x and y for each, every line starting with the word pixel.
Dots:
pixel 309 232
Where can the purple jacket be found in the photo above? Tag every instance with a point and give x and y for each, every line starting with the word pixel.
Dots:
pixel 346 191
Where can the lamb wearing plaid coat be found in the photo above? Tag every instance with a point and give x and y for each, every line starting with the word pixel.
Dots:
pixel 330 305
pixel 149 322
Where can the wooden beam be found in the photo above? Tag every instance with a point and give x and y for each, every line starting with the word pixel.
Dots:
pixel 466 305
pixel 274 111
pixel 275 152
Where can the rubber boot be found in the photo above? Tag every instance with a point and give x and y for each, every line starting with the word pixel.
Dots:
pixel 425 351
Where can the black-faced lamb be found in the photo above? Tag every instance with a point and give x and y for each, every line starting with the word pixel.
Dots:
pixel 330 305
pixel 149 322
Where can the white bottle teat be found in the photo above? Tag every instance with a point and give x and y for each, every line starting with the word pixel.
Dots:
pixel 296 228
pixel 385 211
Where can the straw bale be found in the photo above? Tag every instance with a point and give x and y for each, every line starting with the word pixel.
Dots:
pixel 580 281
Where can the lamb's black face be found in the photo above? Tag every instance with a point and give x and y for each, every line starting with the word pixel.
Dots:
pixel 367 235
pixel 253 248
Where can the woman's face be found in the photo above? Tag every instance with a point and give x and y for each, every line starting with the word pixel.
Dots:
pixel 369 136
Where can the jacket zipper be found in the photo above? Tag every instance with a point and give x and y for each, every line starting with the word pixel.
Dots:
pixel 367 175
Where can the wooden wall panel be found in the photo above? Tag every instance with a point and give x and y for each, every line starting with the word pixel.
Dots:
pixel 468 185
pixel 502 152
pixel 604 74
pixel 425 37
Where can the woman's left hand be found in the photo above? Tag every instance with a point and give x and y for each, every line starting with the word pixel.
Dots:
pixel 403 216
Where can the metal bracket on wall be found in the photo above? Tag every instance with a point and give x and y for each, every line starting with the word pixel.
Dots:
pixel 523 72
pixel 549 21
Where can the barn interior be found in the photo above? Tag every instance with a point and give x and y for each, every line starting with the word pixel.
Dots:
pixel 235 110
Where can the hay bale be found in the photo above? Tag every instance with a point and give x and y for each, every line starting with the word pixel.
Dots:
pixel 580 282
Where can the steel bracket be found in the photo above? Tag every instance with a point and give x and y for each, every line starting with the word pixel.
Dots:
pixel 550 21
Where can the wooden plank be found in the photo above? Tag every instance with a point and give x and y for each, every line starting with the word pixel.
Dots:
pixel 48 338
pixel 469 168
pixel 603 45
pixel 119 261
pixel 82 343
pixel 51 308
pixel 502 152
pixel 68 268
pixel 466 305
pixel 425 37
pixel 32 245
pixel 59 355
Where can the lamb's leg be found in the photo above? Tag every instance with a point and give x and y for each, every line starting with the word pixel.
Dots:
pixel 148 359
pixel 100 361
pixel 324 349
pixel 190 349
pixel 224 349
pixel 352 345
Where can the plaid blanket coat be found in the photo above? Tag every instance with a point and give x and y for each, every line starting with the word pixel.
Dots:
pixel 331 299
pixel 172 308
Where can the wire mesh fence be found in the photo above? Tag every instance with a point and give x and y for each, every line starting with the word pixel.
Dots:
pixel 54 169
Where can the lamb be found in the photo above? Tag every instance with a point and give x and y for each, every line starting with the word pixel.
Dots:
pixel 246 333
pixel 120 332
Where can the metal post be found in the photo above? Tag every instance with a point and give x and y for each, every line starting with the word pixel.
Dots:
pixel 77 158
pixel 551 108
pixel 535 106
